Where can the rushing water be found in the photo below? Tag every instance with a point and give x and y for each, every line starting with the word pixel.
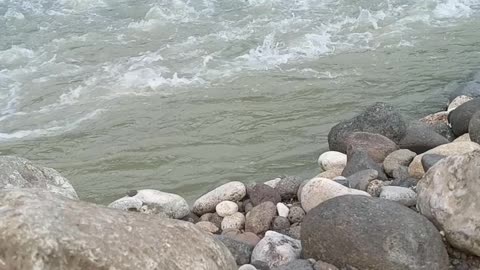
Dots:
pixel 183 95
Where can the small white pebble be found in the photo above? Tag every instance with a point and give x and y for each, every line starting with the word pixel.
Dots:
pixel 282 210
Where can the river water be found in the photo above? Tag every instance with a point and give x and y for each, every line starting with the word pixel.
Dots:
pixel 184 95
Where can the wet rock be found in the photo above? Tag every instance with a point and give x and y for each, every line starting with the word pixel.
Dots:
pixel 459 118
pixel 400 195
pixel 428 160
pixel 458 101
pixel 280 223
pixel 448 195
pixel 361 179
pixel 359 161
pixel 260 217
pixel 276 249
pixel 332 160
pixel 226 208
pixel 296 214
pixel 235 221
pixel 397 159
pixel 262 193
pixel 379 118
pixel 47 231
pixel 207 226
pixel 318 190
pixel 296 265
pixel 376 145
pixel 240 251
pixel 232 191
pixel 374 234
pixel 288 187
pixel 282 210
pixel 474 128
pixel 16 172
pixel 420 138
pixel 455 148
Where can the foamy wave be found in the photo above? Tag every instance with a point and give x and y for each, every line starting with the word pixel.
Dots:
pixel 177 12
pixel 453 9
pixel 16 55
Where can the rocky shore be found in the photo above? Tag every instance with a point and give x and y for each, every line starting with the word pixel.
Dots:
pixel 391 194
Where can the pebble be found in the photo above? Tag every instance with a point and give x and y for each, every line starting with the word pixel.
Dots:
pixel 375 187
pixel 332 160
pixel 235 221
pixel 282 210
pixel 226 208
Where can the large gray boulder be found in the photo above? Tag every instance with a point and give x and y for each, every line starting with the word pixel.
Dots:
pixel 371 233
pixel 379 118
pixel 459 118
pixel 448 195
pixel 18 172
pixel 41 230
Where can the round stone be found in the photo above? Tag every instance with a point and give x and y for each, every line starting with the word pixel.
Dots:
pixel 226 208
pixel 235 221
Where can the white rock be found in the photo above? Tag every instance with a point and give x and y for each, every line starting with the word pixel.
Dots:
pixel 282 210
pixel 127 203
pixel 173 205
pixel 235 221
pixel 276 249
pixel 318 190
pixel 400 195
pixel 449 195
pixel 457 102
pixel 207 226
pixel 247 267
pixel 454 148
pixel 232 191
pixel 226 208
pixel 273 183
pixel 332 160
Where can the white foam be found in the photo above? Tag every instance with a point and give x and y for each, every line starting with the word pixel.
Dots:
pixel 16 55
pixel 453 9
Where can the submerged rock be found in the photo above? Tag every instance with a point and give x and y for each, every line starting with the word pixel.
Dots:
pixel 16 172
pixel 370 233
pixel 37 224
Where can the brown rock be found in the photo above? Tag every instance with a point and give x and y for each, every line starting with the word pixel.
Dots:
pixel 376 145
pixel 260 217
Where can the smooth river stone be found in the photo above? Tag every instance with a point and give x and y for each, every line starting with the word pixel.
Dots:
pixel 232 191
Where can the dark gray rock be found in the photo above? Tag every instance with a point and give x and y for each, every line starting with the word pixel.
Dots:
pixel 359 161
pixel 420 138
pixel 376 145
pixel 361 179
pixel 474 128
pixel 41 230
pixel 374 234
pixel 280 223
pixel 459 118
pixel 379 118
pixel 444 130
pixel 470 89
pixel 240 251
pixel 296 265
pixel 296 214
pixel 428 160
pixel 16 172
pixel 260 217
pixel 288 187
pixel 262 193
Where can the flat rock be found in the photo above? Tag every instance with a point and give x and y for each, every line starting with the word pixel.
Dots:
pixel 276 249
pixel 16 172
pixel 474 128
pixel 36 224
pixel 379 118
pixel 400 195
pixel 288 187
pixel 459 118
pixel 260 217
pixel 172 205
pixel 420 138
pixel 397 159
pixel 361 179
pixel 282 210
pixel 374 234
pixel 318 190
pixel 240 251
pixel 235 221
pixel 376 145
pixel 232 191
pixel 332 160
pixel 226 208
pixel 428 160
pixel 448 195
pixel 454 148
pixel 359 160
pixel 262 193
